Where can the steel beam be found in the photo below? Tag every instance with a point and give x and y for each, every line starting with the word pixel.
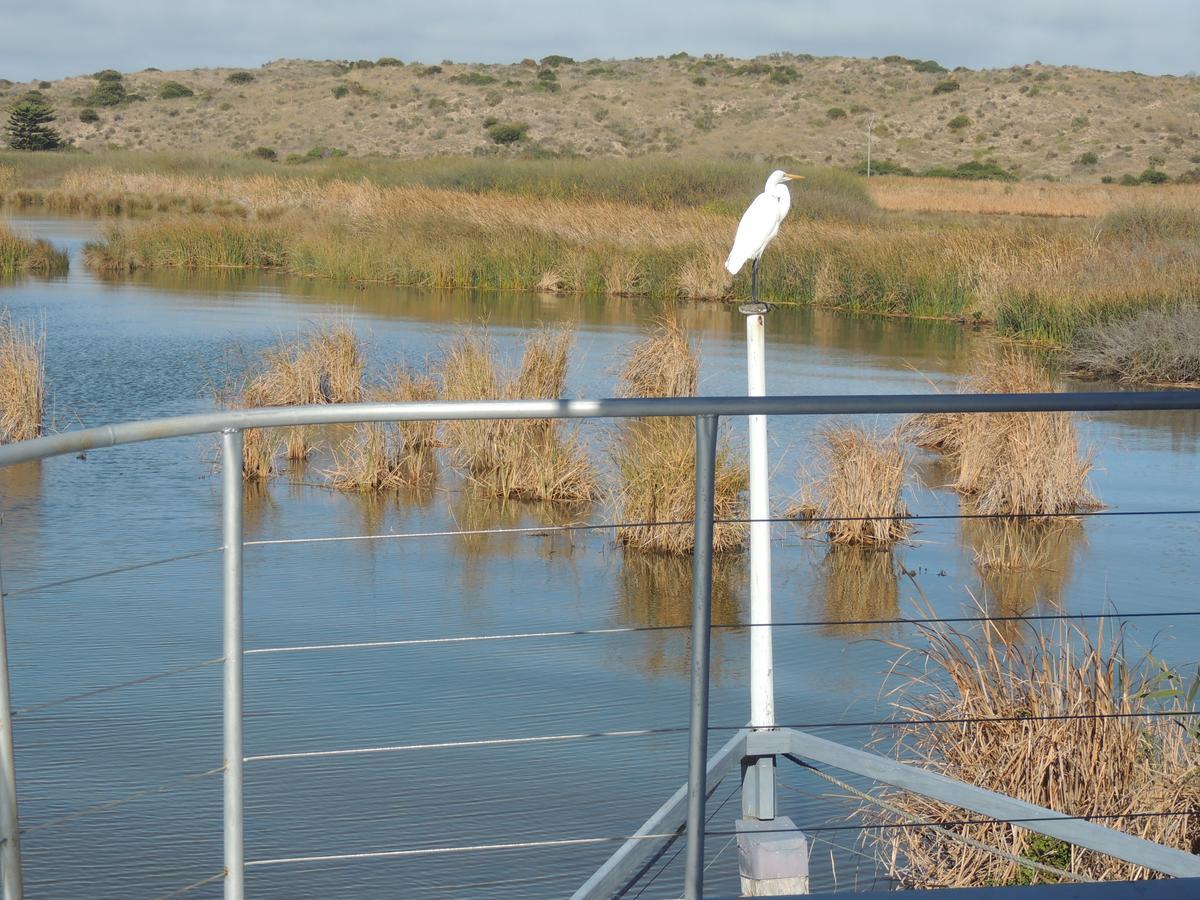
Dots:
pixel 1079 832
pixel 633 856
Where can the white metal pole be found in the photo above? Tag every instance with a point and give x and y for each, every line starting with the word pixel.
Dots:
pixel 10 856
pixel 762 665
pixel 231 479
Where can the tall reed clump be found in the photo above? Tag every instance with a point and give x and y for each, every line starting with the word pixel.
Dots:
pixel 656 457
pixel 323 365
pixel 22 379
pixel 861 494
pixel 377 457
pixel 1097 757
pixel 20 256
pixel 521 459
pixel 1025 464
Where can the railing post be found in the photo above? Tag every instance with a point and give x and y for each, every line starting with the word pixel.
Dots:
pixel 702 552
pixel 231 527
pixel 10 831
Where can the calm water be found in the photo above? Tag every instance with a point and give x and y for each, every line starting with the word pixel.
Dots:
pixel 153 346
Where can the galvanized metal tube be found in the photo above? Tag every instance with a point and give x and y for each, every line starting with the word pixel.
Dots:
pixel 702 553
pixel 10 831
pixel 231 493
pixel 762 662
pixel 814 405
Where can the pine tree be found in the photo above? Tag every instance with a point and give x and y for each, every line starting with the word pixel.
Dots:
pixel 29 127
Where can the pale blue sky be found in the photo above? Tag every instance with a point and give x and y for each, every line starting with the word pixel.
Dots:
pixel 54 38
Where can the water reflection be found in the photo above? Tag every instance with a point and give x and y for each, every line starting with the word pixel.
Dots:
pixel 479 513
pixel 21 513
pixel 936 345
pixel 656 590
pixel 1023 565
pixel 856 584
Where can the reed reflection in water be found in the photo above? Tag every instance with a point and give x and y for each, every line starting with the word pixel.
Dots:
pixel 1022 565
pixel 855 584
pixel 655 589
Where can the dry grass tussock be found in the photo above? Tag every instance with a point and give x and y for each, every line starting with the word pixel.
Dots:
pixel 1028 198
pixel 655 458
pixel 1160 347
pixel 322 365
pixel 1010 463
pixel 19 255
pixel 516 459
pixel 22 379
pixel 378 457
pixel 862 487
pixel 1084 766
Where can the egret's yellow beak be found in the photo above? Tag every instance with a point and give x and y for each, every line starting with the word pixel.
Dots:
pixel 788 176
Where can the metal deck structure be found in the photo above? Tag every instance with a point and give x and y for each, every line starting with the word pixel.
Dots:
pixel 683 814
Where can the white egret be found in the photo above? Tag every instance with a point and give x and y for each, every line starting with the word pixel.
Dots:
pixel 760 223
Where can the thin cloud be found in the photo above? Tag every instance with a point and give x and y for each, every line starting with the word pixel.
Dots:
pixel 1155 36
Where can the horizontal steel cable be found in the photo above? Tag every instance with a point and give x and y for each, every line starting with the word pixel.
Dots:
pixel 132 682
pixel 945 832
pixel 779 520
pixel 191 887
pixel 680 729
pixel 634 629
pixel 450 745
pixel 37 588
pixel 597 526
pixel 110 805
pixel 585 841
pixel 1021 821
pixel 512 636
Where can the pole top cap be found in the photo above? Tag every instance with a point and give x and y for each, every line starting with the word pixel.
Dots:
pixel 754 309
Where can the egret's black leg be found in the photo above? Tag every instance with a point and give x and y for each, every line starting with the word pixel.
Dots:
pixel 754 282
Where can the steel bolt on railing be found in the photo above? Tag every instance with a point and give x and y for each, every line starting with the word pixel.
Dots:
pixel 745 743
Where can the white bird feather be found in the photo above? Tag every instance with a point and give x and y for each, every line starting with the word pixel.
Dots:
pixel 761 220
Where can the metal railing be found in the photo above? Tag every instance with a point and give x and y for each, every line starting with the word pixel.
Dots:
pixel 746 744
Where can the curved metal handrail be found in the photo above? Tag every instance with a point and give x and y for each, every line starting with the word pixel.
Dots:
pixel 816 404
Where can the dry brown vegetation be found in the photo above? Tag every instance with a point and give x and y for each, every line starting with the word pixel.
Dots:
pixel 523 459
pixel 1026 198
pixel 1037 278
pixel 22 379
pixel 1081 766
pixel 376 457
pixel 1036 118
pixel 1025 464
pixel 1159 347
pixel 322 365
pixel 860 492
pixel 655 458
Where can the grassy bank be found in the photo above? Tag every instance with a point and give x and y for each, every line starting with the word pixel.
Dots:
pixel 20 255
pixel 1068 259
